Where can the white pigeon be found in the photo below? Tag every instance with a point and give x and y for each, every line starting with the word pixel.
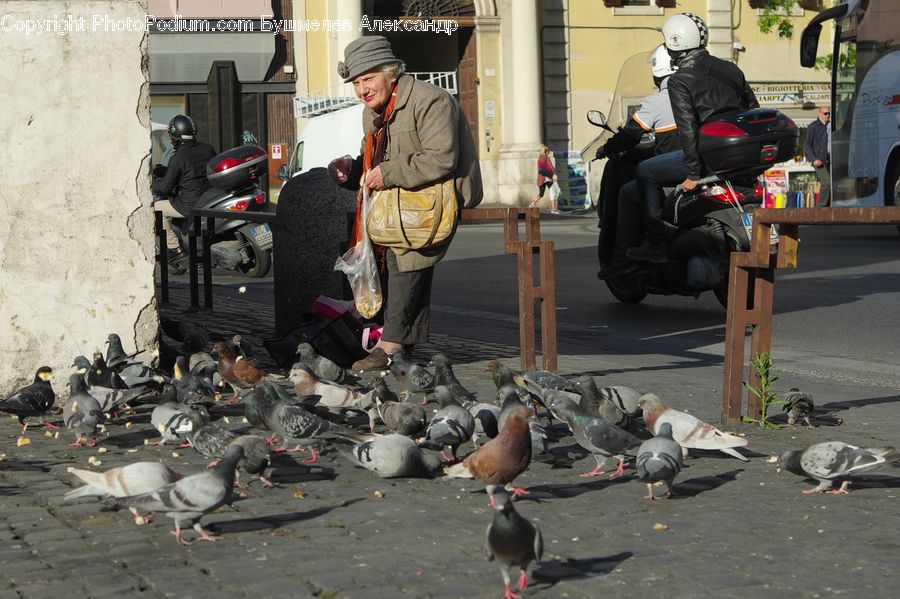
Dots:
pixel 832 461
pixel 688 431
pixel 310 389
pixel 133 479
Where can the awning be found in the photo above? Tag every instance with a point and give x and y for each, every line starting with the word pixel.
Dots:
pixel 187 57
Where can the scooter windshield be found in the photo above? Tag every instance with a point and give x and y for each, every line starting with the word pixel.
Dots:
pixel 634 84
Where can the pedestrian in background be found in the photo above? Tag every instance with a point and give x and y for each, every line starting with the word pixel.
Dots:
pixel 817 149
pixel 417 135
pixel 545 179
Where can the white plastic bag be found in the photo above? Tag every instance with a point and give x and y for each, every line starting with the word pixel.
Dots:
pixel 359 264
pixel 554 191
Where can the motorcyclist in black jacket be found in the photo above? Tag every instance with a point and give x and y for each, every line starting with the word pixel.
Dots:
pixel 185 179
pixel 703 89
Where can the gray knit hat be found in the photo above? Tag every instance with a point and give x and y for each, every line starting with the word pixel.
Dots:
pixel 364 54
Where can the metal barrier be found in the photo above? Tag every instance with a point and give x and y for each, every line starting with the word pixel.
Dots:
pixel 525 251
pixel 545 291
pixel 751 288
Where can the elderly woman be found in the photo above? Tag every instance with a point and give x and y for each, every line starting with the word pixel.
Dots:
pixel 416 135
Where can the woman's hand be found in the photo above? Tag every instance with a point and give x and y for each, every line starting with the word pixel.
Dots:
pixel 374 179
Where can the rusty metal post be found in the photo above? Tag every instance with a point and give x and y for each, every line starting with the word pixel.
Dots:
pixel 761 340
pixel 735 326
pixel 548 306
pixel 525 262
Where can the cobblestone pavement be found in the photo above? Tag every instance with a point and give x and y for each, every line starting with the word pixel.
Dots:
pixel 331 531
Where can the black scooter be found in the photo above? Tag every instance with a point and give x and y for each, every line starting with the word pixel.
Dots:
pixel 239 245
pixel 705 225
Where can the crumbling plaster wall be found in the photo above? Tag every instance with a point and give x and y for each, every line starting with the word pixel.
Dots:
pixel 76 226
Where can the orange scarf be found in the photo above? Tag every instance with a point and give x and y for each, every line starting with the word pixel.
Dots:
pixel 372 156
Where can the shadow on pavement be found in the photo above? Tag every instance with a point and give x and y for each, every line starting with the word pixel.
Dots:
pixel 275 521
pixel 551 572
pixel 694 486
pixel 539 493
pixel 875 482
pixel 839 406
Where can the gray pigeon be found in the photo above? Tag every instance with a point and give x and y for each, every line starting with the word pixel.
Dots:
pixel 191 388
pixel 512 540
pixel 115 353
pixel 798 406
pixel 211 440
pixel 322 367
pixel 443 375
pixel 597 402
pixel 290 422
pixel 173 421
pixel 81 412
pixel 451 426
pixel 391 456
pixel 188 499
pixel 31 400
pixel 402 418
pixel 503 378
pixel 659 459
pixel 833 461
pixel 602 439
pixel 132 479
pixel 411 376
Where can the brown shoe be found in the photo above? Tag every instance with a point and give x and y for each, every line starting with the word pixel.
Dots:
pixel 377 360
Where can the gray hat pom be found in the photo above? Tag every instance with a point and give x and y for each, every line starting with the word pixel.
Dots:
pixel 364 54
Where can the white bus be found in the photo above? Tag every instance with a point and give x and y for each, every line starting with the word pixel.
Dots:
pixel 865 99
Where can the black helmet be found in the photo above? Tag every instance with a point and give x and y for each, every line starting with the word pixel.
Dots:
pixel 182 127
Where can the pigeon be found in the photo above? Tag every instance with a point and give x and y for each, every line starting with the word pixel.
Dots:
pixel 487 419
pixel 413 377
pixel 188 499
pixel 598 402
pixel 112 400
pixel 290 422
pixel 322 367
pixel 514 541
pixel 602 439
pixel 498 462
pixel 510 398
pixel 191 388
pixel 133 479
pixel 31 400
pixel 443 375
pixel 173 421
pixel 832 461
pixel 240 348
pixel 451 426
pixel 101 375
pixel 659 459
pixel 116 358
pixel 503 377
pixel 193 338
pixel 82 366
pixel 401 417
pixel 81 412
pixel 237 372
pixel 798 406
pixel 326 394
pixel 688 431
pixel 390 456
pixel 211 440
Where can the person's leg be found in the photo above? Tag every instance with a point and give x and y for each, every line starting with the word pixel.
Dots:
pixel 541 190
pixel 407 313
pixel 651 175
pixel 618 172
pixel 628 229
pixel 824 176
pixel 169 212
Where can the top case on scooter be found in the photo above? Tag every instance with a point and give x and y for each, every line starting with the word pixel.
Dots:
pixel 236 168
pixel 749 141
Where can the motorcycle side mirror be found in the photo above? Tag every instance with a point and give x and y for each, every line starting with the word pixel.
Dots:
pixel 283 172
pixel 595 117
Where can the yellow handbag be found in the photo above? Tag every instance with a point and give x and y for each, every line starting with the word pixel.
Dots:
pixel 413 219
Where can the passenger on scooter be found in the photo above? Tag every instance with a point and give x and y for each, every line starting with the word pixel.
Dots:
pixel 620 222
pixel 185 179
pixel 703 89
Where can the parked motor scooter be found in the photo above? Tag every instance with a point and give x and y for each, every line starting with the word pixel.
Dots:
pixel 239 245
pixel 705 225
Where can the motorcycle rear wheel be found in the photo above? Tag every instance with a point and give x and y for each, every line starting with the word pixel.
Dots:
pixel 260 260
pixel 627 289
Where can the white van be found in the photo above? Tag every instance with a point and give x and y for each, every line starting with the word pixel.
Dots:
pixel 326 137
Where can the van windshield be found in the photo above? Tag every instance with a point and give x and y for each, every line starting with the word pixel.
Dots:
pixel 296 160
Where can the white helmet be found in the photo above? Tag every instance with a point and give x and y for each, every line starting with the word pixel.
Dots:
pixel 661 64
pixel 685 31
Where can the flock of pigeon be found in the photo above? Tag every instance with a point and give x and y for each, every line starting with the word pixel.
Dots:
pixel 320 404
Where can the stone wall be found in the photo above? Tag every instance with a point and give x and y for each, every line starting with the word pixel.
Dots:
pixel 76 243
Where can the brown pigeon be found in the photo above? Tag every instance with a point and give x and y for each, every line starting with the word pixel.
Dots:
pixel 236 371
pixel 498 462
